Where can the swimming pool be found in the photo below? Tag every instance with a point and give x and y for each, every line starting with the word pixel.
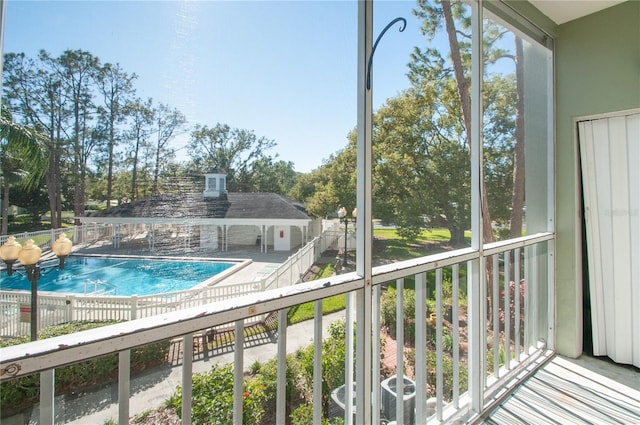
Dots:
pixel 120 276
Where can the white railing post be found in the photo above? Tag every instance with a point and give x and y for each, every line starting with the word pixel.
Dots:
pixel 475 328
pixel 317 363
pixel 535 295
pixel 439 350
pixel 517 320
pixel 281 387
pixel 238 372
pixel 400 350
pixel 364 354
pixel 68 311
pixel 527 300
pixel 47 394
pixel 134 307
pixel 495 305
pixel 551 312
pixel 507 309
pixel 455 297
pixel 124 379
pixel 421 348
pixel 187 378
pixel 349 360
pixel 375 349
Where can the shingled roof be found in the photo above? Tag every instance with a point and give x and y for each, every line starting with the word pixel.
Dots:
pixel 194 205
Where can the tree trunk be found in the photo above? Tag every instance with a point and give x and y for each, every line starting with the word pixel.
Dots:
pixel 517 199
pixel 156 172
pixel 110 162
pixel 134 173
pixel 457 236
pixel 5 206
pixel 465 103
pixel 53 179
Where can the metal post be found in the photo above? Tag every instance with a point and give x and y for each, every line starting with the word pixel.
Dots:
pixel 33 274
pixel 346 224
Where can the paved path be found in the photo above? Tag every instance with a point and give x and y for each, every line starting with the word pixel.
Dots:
pixel 150 389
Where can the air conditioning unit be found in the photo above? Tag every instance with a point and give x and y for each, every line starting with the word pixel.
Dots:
pixel 389 396
pixel 338 403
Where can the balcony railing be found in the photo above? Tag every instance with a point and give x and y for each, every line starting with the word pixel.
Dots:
pixel 479 318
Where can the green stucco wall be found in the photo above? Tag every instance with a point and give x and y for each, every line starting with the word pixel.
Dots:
pixel 597 71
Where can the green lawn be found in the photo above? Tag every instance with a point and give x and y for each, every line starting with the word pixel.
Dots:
pixel 24 223
pixel 393 247
pixel 304 312
pixel 425 236
pixel 389 246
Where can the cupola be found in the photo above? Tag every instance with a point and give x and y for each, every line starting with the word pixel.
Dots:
pixel 215 184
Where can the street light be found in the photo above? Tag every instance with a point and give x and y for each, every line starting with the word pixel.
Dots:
pixel 29 255
pixel 342 215
pixel 9 253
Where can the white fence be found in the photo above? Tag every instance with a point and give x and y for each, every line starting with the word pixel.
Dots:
pixel 86 234
pixel 61 308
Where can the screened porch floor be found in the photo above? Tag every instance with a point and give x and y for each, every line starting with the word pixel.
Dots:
pixel 586 390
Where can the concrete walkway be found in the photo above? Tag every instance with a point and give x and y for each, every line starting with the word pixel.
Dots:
pixel 150 389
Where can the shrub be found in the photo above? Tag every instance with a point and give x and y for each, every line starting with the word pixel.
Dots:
pixel 303 415
pixel 447 374
pixel 20 393
pixel 333 362
pixel 388 312
pixel 295 392
pixel 212 402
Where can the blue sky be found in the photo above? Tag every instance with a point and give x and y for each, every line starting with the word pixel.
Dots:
pixel 284 69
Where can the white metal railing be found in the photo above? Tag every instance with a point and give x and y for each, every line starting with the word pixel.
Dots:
pixel 61 308
pixel 477 348
pixel 43 238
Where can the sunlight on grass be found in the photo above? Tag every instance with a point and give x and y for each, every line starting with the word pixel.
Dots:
pixel 425 236
pixel 304 312
pixel 390 246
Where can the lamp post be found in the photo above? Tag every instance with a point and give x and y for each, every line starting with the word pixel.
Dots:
pixel 29 255
pixel 9 253
pixel 342 215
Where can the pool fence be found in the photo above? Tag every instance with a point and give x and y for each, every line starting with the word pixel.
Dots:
pixel 56 308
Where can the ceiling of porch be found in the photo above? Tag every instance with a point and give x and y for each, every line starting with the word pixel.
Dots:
pixel 561 11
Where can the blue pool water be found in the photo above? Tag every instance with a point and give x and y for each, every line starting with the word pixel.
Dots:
pixel 119 276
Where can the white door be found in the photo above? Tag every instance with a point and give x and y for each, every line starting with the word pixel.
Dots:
pixel 281 238
pixel 610 155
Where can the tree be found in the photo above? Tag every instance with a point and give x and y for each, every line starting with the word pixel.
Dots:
pixel 421 164
pixel 33 199
pixel 21 153
pixel 517 199
pixel 449 13
pixel 168 123
pixel 317 191
pixel 116 88
pixel 33 90
pixel 140 129
pixel 232 150
pixel 78 71
pixel 503 123
pixel 268 175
